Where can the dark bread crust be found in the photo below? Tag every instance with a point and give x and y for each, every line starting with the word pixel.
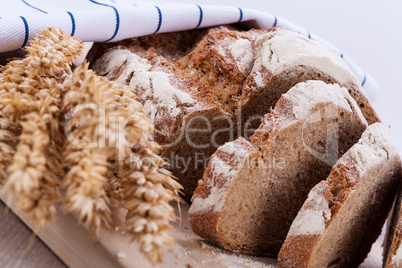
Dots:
pixel 200 63
pixel 206 222
pixel 341 185
pixel 267 141
pixel 296 251
pixel 393 239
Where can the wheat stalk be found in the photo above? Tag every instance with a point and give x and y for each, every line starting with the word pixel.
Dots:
pixel 31 176
pixel 122 164
pixel 146 187
pixel 86 181
pixel 35 169
pixel 29 100
pixel 7 139
pixel 146 193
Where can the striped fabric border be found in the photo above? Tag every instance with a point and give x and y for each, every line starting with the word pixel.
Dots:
pixel 117 18
pixel 26 3
pixel 113 20
pixel 72 23
pixel 26 31
pixel 200 20
pixel 159 19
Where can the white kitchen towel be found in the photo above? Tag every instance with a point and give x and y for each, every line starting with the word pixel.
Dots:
pixel 113 20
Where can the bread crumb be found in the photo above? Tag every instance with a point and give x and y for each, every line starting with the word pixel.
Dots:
pixel 236 260
pixel 210 255
pixel 121 255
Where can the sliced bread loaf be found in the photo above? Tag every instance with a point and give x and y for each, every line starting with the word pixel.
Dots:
pixel 203 88
pixel 393 240
pixel 343 215
pixel 251 192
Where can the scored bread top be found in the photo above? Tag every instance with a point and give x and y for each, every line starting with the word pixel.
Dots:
pixel 349 208
pixel 282 52
pixel 161 91
pixel 283 48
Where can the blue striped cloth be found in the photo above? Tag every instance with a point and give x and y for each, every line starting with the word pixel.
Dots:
pixel 113 20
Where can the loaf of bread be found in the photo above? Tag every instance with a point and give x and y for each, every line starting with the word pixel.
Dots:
pixel 203 88
pixel 251 192
pixel 393 239
pixel 343 215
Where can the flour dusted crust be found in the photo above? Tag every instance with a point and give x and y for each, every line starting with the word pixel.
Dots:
pixel 162 94
pixel 222 75
pixel 259 196
pixel 281 49
pixel 393 239
pixel 282 52
pixel 353 203
pixel 315 215
pixel 393 242
pixel 209 197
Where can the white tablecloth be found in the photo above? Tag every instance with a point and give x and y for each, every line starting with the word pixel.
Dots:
pixel 113 20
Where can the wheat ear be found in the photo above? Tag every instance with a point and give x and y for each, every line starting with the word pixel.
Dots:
pixel 146 193
pixel 29 99
pixel 7 139
pixel 146 187
pixel 142 186
pixel 35 169
pixel 86 181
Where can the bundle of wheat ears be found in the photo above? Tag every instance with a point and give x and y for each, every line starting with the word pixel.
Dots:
pixel 73 130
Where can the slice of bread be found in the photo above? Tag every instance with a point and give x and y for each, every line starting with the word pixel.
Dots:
pixel 251 192
pixel 203 88
pixel 343 215
pixel 284 58
pixel 393 239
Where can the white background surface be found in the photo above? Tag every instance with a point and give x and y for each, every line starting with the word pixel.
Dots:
pixel 369 32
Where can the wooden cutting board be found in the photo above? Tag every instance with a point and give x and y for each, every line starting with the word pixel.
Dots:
pixel 71 243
